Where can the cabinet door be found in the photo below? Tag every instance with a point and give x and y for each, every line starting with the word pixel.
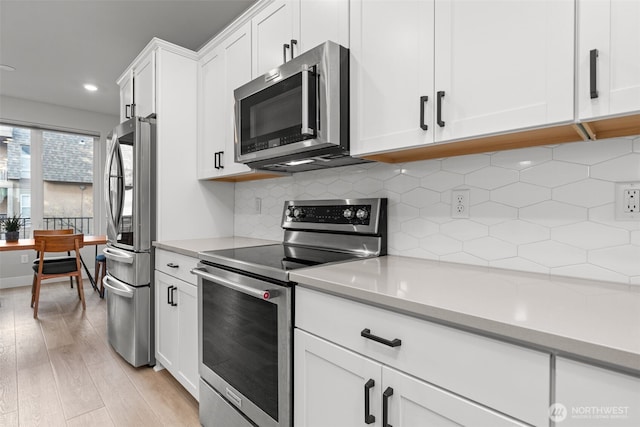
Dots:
pixel 144 84
pixel 126 96
pixel 237 56
pixel 166 321
pixel 316 21
pixel 211 113
pixel 187 300
pixel 588 396
pixel 271 30
pixel 329 384
pixel 417 403
pixel 612 28
pixel 391 69
pixel 502 65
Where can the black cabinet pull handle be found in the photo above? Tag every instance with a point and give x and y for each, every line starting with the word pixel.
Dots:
pixel 423 100
pixel 593 84
pixel 215 160
pixel 173 303
pixel 368 418
pixel 127 111
pixel 172 265
pixel 385 406
pixel 293 43
pixel 439 108
pixel 284 52
pixel 220 153
pixel 367 334
pixel 169 295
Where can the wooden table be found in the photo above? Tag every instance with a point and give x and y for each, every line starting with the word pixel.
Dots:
pixel 27 244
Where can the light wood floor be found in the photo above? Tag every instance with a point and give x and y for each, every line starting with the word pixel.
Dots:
pixel 59 370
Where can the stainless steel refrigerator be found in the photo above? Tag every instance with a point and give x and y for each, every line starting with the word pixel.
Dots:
pixel 130 198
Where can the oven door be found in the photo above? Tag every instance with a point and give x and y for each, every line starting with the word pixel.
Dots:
pixel 244 328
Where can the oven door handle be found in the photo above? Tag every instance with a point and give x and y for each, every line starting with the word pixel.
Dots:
pixel 266 294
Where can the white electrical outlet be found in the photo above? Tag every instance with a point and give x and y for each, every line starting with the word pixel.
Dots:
pixel 258 205
pixel 460 203
pixel 627 201
pixel 24 259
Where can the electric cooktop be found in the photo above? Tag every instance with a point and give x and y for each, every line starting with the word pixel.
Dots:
pixel 317 232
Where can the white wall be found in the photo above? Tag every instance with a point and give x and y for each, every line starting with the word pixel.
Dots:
pixel 20 111
pixel 547 209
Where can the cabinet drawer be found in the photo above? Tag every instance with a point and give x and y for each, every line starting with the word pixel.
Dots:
pixel 176 265
pixel 511 379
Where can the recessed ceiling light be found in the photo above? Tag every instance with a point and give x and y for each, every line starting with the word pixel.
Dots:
pixel 90 87
pixel 5 67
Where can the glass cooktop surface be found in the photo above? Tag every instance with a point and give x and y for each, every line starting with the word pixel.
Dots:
pixel 273 258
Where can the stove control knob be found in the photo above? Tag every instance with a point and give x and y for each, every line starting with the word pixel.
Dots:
pixel 348 213
pixel 288 212
pixel 362 214
pixel 298 213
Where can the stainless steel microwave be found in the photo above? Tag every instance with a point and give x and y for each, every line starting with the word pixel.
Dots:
pixel 296 116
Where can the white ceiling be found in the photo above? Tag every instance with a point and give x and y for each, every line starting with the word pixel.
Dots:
pixel 57 46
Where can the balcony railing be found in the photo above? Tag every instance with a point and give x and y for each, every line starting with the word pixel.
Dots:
pixel 80 224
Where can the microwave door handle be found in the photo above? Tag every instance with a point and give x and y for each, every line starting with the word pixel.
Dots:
pixel 306 74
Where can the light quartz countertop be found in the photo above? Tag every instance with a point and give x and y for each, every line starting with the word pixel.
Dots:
pixel 593 321
pixel 191 247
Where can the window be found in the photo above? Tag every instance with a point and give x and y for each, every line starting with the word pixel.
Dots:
pixel 49 178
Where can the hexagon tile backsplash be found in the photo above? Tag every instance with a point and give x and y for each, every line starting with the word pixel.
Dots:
pixel 547 209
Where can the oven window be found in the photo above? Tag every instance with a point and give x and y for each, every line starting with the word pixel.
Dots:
pixel 240 343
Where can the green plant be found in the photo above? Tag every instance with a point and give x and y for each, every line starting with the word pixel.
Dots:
pixel 12 224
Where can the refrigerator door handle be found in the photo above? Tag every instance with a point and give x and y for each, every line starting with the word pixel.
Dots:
pixel 117 287
pixel 117 255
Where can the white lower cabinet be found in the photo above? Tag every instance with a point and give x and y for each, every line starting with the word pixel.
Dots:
pixel 337 387
pixel 589 396
pixel 436 372
pixel 176 304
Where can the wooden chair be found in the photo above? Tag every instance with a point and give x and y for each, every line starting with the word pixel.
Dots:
pixel 71 267
pixel 53 259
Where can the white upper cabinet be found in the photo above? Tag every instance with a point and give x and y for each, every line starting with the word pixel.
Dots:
pixel 286 28
pixel 126 95
pixel 237 67
pixel 137 88
pixel 608 58
pixel 144 86
pixel 502 65
pixel 316 21
pixel 272 32
pixel 222 70
pixel 490 67
pixel 211 114
pixel 391 70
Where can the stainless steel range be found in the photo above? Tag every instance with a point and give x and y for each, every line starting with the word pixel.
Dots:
pixel 245 313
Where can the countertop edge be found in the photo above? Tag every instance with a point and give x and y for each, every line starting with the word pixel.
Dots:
pixel 607 357
pixel 176 249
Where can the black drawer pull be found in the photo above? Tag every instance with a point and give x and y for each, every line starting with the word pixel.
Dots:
pixel 368 418
pixel 440 95
pixel 423 100
pixel 385 406
pixel 593 85
pixel 393 343
pixel 172 265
